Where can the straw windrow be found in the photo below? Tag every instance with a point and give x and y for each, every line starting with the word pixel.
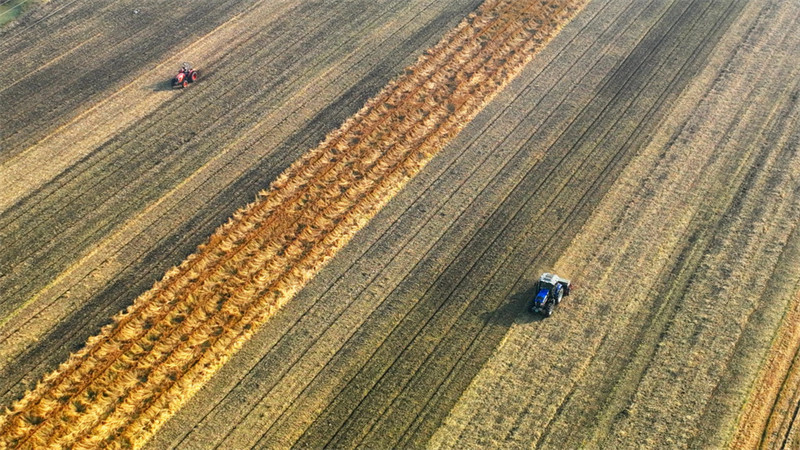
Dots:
pixel 134 375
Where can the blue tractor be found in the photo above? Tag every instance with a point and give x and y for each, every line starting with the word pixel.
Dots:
pixel 550 289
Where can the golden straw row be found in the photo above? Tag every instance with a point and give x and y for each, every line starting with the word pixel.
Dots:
pixel 133 376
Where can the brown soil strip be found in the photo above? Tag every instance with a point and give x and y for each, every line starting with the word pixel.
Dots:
pixel 129 379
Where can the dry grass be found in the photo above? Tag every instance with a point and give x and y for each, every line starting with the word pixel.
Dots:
pixel 138 371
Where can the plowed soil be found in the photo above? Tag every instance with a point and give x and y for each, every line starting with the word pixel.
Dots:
pixel 648 152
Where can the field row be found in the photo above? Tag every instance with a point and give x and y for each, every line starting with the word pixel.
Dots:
pixel 129 379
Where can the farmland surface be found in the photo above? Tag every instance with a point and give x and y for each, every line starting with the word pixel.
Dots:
pixel 648 152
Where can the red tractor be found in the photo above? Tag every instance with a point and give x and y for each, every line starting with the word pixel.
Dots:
pixel 185 76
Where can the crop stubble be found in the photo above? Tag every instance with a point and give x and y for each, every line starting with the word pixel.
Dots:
pixel 128 379
pixel 683 252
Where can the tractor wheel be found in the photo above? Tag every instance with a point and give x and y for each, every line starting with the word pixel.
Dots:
pixel 559 297
pixel 185 83
pixel 548 310
pixel 194 76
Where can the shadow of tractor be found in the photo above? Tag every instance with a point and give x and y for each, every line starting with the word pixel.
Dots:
pixel 521 302
pixel 515 310
pixel 164 85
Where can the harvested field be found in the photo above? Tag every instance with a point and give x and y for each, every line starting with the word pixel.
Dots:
pixel 648 152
